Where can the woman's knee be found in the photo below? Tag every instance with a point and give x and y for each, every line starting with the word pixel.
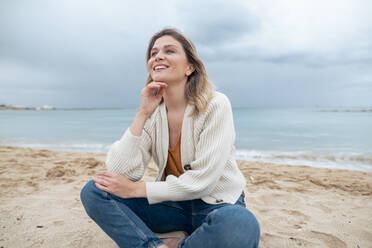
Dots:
pixel 90 195
pixel 239 226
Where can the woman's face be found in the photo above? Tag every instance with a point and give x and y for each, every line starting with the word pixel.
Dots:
pixel 168 62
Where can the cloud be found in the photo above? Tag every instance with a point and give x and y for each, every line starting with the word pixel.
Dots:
pixel 215 23
pixel 315 33
pixel 92 53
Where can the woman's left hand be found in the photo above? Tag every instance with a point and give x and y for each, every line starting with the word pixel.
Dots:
pixel 119 185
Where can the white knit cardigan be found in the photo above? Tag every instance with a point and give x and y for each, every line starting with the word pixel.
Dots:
pixel 207 155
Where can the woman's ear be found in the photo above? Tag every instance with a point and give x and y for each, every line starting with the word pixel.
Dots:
pixel 190 69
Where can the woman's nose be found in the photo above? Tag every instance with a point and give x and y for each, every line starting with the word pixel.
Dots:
pixel 159 56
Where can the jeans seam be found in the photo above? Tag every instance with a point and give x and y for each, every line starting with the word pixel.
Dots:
pixel 173 207
pixel 113 202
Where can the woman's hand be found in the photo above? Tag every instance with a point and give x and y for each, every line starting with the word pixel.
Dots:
pixel 119 185
pixel 149 101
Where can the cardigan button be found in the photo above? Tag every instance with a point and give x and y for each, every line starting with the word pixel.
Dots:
pixel 187 167
pixel 219 200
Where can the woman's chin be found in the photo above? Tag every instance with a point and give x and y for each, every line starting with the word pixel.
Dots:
pixel 159 78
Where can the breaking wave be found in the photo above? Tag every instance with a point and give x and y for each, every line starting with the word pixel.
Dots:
pixel 336 160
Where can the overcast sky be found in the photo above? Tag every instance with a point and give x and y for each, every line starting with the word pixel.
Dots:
pixel 287 53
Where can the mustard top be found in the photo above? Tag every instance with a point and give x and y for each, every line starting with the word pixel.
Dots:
pixel 174 164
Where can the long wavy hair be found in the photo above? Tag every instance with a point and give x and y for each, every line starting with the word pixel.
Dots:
pixel 199 89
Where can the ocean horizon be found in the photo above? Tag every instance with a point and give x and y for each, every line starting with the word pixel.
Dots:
pixel 339 138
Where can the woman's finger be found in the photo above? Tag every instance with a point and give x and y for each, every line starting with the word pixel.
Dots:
pixel 101 180
pixel 162 84
pixel 161 91
pixel 102 187
pixel 105 173
pixel 157 84
pixel 152 89
pixel 153 85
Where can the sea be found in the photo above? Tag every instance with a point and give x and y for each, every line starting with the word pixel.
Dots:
pixel 339 138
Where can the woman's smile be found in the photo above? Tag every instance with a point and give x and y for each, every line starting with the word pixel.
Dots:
pixel 160 67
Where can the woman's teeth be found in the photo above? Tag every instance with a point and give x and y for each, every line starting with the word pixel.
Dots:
pixel 160 67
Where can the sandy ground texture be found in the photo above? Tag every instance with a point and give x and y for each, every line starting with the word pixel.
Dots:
pixel 296 206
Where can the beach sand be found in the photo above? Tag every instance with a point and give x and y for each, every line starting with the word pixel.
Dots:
pixel 296 206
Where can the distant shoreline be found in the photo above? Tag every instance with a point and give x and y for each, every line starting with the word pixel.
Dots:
pixel 345 110
pixel 45 107
pixel 16 107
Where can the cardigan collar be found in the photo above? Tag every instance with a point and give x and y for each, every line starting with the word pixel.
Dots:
pixel 186 133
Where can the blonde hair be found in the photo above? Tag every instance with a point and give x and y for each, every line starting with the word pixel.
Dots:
pixel 199 89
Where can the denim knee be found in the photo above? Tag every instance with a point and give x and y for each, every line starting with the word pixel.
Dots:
pixel 89 195
pixel 87 191
pixel 240 227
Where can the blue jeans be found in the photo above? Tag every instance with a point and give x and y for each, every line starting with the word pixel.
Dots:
pixel 131 222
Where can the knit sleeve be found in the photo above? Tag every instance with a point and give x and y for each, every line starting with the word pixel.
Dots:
pixel 130 155
pixel 211 155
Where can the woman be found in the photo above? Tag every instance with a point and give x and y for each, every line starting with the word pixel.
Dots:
pixel 187 128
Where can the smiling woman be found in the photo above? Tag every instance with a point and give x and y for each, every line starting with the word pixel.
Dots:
pixel 188 130
pixel 198 89
pixel 168 62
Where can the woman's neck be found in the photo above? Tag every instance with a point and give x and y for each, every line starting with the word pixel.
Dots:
pixel 174 97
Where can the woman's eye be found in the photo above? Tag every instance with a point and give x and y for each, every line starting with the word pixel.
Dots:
pixel 153 54
pixel 169 51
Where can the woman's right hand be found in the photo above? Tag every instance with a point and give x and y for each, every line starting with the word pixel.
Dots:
pixel 149 101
